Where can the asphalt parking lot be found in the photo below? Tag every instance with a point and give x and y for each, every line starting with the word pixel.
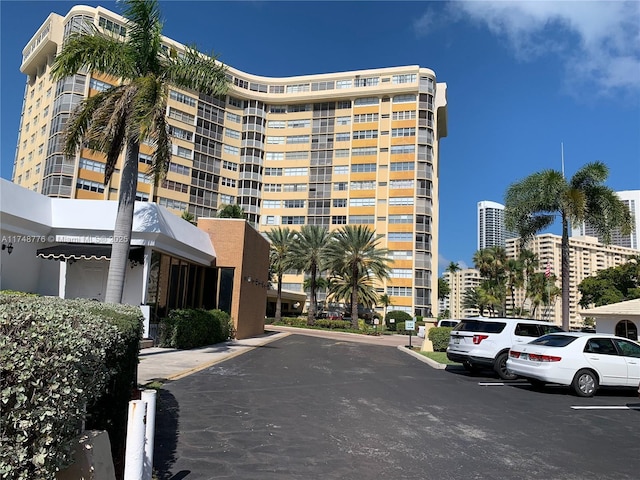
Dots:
pixel 318 408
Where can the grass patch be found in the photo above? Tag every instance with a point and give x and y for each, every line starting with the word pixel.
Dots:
pixel 440 357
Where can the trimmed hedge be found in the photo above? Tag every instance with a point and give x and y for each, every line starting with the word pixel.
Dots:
pixel 192 328
pixel 399 316
pixel 62 362
pixel 439 337
pixel 331 324
pixel 291 321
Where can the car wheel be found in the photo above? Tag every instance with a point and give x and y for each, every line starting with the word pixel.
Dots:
pixel 500 367
pixel 585 383
pixel 536 384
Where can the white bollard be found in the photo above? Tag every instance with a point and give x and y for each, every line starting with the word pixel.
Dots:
pixel 149 397
pixel 134 453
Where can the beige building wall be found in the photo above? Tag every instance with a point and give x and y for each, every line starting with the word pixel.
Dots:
pixel 241 248
pixel 587 258
pixel 359 147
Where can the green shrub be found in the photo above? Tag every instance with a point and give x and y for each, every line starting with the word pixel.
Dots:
pixel 398 316
pixel 192 328
pixel 62 362
pixel 292 321
pixel 439 336
pixel 329 323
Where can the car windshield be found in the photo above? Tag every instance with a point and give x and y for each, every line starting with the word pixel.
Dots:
pixel 554 340
pixel 479 326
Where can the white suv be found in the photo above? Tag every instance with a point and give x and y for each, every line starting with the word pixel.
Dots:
pixel 485 342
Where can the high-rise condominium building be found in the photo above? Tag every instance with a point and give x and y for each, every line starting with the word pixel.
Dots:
pixel 587 257
pixel 491 228
pixel 631 198
pixel 460 283
pixel 333 149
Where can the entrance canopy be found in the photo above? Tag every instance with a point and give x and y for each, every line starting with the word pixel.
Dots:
pixel 83 251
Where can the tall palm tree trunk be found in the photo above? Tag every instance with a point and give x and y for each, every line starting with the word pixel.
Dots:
pixel 124 224
pixel 354 299
pixel 279 300
pixel 311 314
pixel 565 272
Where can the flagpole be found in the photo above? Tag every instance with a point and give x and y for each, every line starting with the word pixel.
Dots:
pixel 562 157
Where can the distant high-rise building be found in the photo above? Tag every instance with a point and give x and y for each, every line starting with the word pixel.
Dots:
pixel 491 228
pixel 459 283
pixel 631 198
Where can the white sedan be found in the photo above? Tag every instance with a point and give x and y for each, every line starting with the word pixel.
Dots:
pixel 583 361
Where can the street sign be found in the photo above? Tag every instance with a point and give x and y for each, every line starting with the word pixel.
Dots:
pixel 410 325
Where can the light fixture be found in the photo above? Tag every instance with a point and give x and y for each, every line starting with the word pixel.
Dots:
pixel 8 247
pixel 249 279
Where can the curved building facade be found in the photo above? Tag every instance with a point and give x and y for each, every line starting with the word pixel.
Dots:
pixel 358 147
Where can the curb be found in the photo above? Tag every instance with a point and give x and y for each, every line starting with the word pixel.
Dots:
pixel 422 358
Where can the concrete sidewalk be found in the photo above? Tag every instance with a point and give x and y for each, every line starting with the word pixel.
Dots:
pixel 165 364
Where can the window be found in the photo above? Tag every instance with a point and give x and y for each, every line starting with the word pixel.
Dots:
pixel 174 204
pixel 297 171
pixel 361 219
pixel 231 133
pixel 298 123
pixel 342 104
pixel 232 117
pixel 340 186
pixel 295 187
pixel 294 204
pixel 343 84
pixel 403 132
pixel 368 185
pixel 301 107
pixel 271 203
pixel 275 156
pixel 302 87
pixel 276 124
pixel 400 236
pixel 317 86
pixel 363 151
pixel 343 137
pixel 401 273
pixel 365 134
pixel 341 169
pixel 180 133
pixel 175 186
pixel 180 169
pixel 338 220
pixel 298 139
pixel 366 82
pixel 400 218
pixel 41 149
pixel 363 167
pixel 365 118
pixel 181 116
pixel 404 115
pixel 406 78
pixel 182 98
pixel 401 201
pixel 339 202
pixel 112 27
pixel 341 153
pixel 343 120
pixel 367 101
pixel 402 166
pixel 143 178
pixel 278 109
pixel 235 102
pixel 231 150
pixel 401 254
pixel 409 98
pixel 230 166
pixel 227 199
pixel 272 187
pixel 362 202
pixel 275 140
pixel 289 220
pixel 273 172
pixel 399 149
pixel 183 152
pixel 393 184
pixel 627 329
pixel 99 85
pixel 298 155
pixel 399 292
pixel 90 186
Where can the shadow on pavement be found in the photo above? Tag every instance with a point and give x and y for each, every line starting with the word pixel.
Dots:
pixel 166 436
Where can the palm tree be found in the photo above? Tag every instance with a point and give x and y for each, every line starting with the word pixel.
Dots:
pixel 385 301
pixel 231 211
pixel 491 262
pixel 308 250
pixel 127 114
pixel 341 290
pixel 535 202
pixel 189 217
pixel 528 262
pixel 354 253
pixel 453 267
pixel 514 276
pixel 280 259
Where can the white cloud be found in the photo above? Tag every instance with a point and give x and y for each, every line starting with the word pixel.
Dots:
pixel 599 41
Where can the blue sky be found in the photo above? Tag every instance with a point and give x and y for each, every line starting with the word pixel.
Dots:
pixel 523 78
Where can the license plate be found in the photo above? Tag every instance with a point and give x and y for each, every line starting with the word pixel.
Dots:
pixel 524 356
pixel 456 340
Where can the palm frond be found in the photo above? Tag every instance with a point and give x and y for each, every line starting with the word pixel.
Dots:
pixel 80 122
pixel 145 34
pixel 195 71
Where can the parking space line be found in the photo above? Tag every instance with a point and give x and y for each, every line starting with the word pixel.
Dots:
pixel 606 407
pixel 500 384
